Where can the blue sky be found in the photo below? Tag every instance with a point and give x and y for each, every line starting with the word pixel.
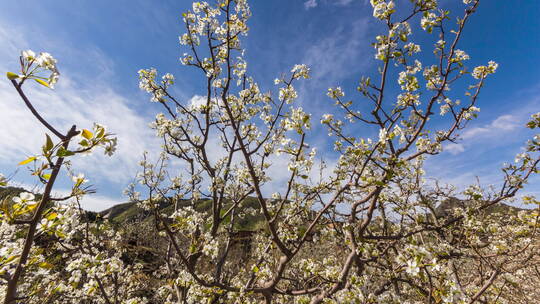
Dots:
pixel 100 46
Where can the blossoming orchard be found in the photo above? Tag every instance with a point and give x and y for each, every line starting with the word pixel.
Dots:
pixel 369 228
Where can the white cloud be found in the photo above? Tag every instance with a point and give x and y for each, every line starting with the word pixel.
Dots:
pixel 503 123
pixel 313 3
pixel 310 4
pixel 198 101
pixel 330 57
pixel 487 147
pixel 500 126
pixel 506 122
pixel 343 2
pixel 79 98
pixel 22 135
pixel 99 203
pixel 91 202
pixel 330 61
pixel 454 149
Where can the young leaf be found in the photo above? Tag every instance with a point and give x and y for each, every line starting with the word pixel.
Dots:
pixel 12 76
pixel 28 160
pixel 100 133
pixel 84 143
pixel 45 265
pixel 63 152
pixel 51 216
pixel 87 134
pixel 11 258
pixel 48 143
pixel 43 83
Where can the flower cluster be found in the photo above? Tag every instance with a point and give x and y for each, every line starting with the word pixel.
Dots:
pixel 37 67
pixel 382 9
pixel 481 72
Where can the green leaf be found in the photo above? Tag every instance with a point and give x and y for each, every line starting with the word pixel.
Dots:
pixel 87 134
pixel 100 133
pixel 45 265
pixel 403 37
pixel 48 143
pixel 84 143
pixel 12 76
pixel 28 160
pixel 531 124
pixel 11 258
pixel 42 82
pixel 62 152
pixel 51 216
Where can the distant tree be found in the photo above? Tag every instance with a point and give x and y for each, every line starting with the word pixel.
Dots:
pixel 367 232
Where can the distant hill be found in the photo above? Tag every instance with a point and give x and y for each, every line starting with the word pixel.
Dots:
pixel 8 192
pixel 129 212
pixel 444 209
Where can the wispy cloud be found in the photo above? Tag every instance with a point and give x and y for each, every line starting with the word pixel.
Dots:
pixel 310 4
pixel 22 135
pixel 503 123
pixel 330 57
pixel 93 202
pixel 313 3
pixel 454 148
pixel 334 60
pixel 331 62
pixel 500 127
pixel 343 2
pixel 484 147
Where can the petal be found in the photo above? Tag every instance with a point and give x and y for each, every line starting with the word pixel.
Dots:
pixel 26 196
